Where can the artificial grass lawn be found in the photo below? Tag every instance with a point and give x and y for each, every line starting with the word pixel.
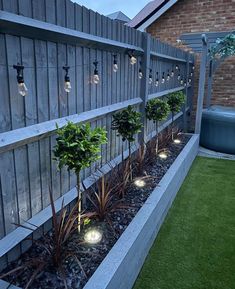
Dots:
pixel 195 248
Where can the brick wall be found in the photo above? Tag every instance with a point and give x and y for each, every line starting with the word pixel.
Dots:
pixel 201 16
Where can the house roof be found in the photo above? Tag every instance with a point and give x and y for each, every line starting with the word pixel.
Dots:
pixel 119 16
pixel 151 12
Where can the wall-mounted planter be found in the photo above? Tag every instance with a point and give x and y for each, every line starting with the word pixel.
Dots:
pixel 123 263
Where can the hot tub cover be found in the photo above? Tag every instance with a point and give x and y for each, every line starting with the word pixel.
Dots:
pixel 218 129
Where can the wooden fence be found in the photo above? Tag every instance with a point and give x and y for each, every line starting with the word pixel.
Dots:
pixel 45 35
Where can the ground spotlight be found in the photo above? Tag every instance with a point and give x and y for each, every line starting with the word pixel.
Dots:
pixel 177 141
pixel 139 183
pixel 93 236
pixel 163 155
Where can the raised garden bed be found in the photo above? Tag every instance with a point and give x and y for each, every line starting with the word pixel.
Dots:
pixel 116 261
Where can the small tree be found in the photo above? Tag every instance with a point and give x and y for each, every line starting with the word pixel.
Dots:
pixel 127 123
pixel 157 110
pixel 175 102
pixel 77 147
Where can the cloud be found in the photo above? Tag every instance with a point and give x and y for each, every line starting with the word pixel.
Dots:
pixel 130 7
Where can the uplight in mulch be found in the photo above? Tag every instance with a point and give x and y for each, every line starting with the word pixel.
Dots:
pixel 139 183
pixel 93 236
pixel 163 155
pixel 177 141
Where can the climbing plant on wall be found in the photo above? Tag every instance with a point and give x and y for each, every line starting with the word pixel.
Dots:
pixel 224 47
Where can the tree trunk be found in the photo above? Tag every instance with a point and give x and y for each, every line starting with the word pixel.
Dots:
pixel 79 201
pixel 156 137
pixel 172 125
pixel 122 152
pixel 130 167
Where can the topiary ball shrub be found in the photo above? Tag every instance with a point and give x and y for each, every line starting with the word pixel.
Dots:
pixel 175 101
pixel 127 123
pixel 78 145
pixel 157 110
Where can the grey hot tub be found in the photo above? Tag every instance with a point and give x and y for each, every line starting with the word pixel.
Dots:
pixel 218 129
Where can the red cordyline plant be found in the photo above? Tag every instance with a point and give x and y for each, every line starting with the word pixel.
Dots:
pixel 105 197
pixel 53 247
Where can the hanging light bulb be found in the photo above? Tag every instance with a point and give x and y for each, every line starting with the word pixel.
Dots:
pixel 133 59
pixel 157 80
pixel 168 75
pixel 172 72
pixel 96 78
pixel 181 81
pixel 193 67
pixel 191 74
pixel 140 72
pixel 22 88
pixel 67 84
pixel 115 65
pixel 189 80
pixel 150 76
pixel 185 83
pixel 178 77
pixel 163 77
pixel 177 67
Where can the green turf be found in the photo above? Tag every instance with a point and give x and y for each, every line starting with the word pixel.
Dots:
pixel 195 248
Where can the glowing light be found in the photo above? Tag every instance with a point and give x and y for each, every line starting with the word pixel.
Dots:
pixel 177 141
pixel 139 183
pixel 133 60
pixel 163 155
pixel 140 74
pixel 163 77
pixel 96 78
pixel 168 76
pixel 115 67
pixel 67 84
pixel 22 89
pixel 150 76
pixel 93 236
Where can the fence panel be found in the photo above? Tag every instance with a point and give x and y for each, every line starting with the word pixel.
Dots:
pixel 27 168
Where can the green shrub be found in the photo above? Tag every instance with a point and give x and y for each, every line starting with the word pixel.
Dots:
pixel 127 123
pixel 77 147
pixel 175 101
pixel 157 110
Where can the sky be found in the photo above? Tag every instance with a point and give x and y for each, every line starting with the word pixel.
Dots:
pixel 128 7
